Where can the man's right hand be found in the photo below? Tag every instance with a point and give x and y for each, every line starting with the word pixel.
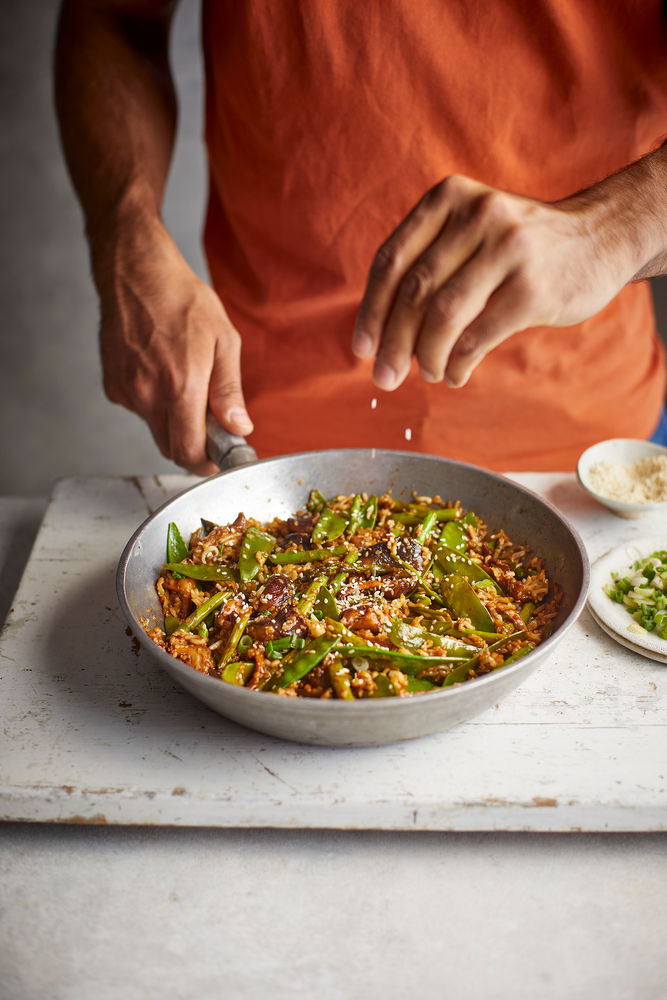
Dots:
pixel 169 350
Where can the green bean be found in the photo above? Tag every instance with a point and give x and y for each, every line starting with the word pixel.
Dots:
pixel 234 638
pixel 338 628
pixel 310 555
pixel 528 648
pixel 198 615
pixel 341 680
pixel 350 558
pixel 460 674
pixel 202 571
pixel 306 603
pixel 276 647
pixel 414 572
pixel 414 513
pixel 426 527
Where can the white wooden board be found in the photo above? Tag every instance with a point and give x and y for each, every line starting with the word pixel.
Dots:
pixel 93 732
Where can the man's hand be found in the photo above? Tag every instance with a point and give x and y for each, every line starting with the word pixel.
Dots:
pixel 168 347
pixel 471 265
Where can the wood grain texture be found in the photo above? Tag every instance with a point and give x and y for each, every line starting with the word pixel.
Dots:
pixel 93 732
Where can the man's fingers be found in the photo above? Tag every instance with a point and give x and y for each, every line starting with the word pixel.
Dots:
pixel 187 435
pixel 393 260
pixel 453 307
pixel 503 315
pixel 439 293
pixel 225 393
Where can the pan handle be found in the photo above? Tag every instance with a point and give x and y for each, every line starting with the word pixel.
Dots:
pixel 225 449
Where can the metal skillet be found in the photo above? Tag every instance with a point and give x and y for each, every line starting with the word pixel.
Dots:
pixel 278 487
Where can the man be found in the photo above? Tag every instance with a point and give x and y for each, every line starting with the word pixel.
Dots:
pixel 510 330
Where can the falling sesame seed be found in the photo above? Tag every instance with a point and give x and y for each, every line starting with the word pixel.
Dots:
pixel 374 403
pixel 408 434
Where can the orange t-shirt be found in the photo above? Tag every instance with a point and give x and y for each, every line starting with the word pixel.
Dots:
pixel 326 120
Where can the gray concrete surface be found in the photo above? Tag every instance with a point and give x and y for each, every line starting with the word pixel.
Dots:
pixel 55 419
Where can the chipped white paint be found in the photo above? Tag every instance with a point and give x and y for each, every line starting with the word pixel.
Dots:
pixel 93 732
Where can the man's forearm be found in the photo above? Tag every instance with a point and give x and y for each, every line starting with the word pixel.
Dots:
pixel 628 211
pixel 116 108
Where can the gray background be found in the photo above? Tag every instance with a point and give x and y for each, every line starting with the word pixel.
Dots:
pixel 55 420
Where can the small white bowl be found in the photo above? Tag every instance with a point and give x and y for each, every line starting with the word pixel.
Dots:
pixel 624 451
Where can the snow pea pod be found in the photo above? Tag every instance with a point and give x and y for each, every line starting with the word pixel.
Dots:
pixel 461 673
pixel 202 571
pixel 172 624
pixel 464 602
pixel 529 647
pixel 177 550
pixel 454 536
pixel 326 603
pixel 355 515
pixel 409 663
pixel 300 661
pixel 383 688
pixel 254 541
pixel 419 684
pixel 369 513
pixel 330 525
pixel 451 561
pixel 238 672
pixel 413 638
pixel 316 502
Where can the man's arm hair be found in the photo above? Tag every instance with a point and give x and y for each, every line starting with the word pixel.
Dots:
pixel 116 106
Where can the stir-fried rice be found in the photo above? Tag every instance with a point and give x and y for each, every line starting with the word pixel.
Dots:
pixel 353 597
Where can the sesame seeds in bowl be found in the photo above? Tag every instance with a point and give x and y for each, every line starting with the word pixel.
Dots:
pixel 626 475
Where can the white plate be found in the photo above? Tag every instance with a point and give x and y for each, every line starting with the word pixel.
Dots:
pixel 614 618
